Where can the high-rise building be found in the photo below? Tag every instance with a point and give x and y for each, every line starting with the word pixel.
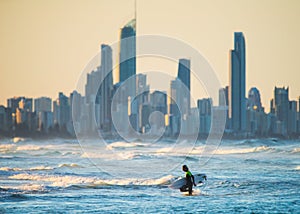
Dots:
pixel 254 100
pixel 184 74
pixel 224 102
pixel 42 108
pixel 280 108
pixel 237 109
pixel 281 102
pixel 13 103
pixel 106 88
pixel 5 119
pixel 158 101
pixel 205 111
pixel 292 118
pixel 140 105
pixel 128 51
pixel 45 121
pixel 127 73
pixel 26 104
pixel 175 106
pixel 61 110
pixel 42 104
pixel 223 96
pixel 92 85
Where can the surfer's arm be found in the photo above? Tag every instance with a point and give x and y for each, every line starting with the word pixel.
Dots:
pixel 193 179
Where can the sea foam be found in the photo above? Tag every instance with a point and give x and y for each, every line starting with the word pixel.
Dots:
pixel 65 181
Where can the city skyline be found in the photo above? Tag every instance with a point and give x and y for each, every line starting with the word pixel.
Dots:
pixel 270 38
pixel 129 108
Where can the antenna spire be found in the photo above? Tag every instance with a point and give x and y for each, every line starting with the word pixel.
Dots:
pixel 135 13
pixel 134 9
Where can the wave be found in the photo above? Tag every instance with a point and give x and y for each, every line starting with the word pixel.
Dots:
pixel 41 168
pixel 18 139
pixel 10 169
pixel 36 168
pixel 13 148
pixel 4 148
pixel 128 155
pixel 297 168
pixel 124 145
pixel 67 181
pixel 243 151
pixel 29 148
pixel 295 150
pixel 69 165
pixel 24 187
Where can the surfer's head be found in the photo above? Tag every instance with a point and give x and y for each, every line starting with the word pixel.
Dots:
pixel 185 168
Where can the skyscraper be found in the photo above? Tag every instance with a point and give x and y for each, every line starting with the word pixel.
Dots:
pixel 238 84
pixel 13 103
pixel 128 51
pixel 127 69
pixel 184 74
pixel 281 103
pixel 224 102
pixel 106 88
pixel 205 111
pixel 223 96
pixel 254 101
pixel 42 104
pixel 61 110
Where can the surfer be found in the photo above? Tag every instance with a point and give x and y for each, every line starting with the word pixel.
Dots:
pixel 190 180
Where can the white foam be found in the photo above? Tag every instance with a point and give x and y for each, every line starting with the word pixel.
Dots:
pixel 56 180
pixel 71 165
pixel 241 151
pixel 113 155
pixel 297 168
pixel 25 187
pixel 18 139
pixel 28 148
pixel 295 150
pixel 10 169
pixel 6 148
pixel 36 168
pixel 124 145
pixel 40 168
pixel 143 182
pixel 64 181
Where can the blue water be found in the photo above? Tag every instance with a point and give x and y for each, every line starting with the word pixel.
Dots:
pixel 58 176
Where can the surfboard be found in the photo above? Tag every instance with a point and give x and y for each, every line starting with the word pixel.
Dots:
pixel 199 178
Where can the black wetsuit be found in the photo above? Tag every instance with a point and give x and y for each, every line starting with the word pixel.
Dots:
pixel 189 183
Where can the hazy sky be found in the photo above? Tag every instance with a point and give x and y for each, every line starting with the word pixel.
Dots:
pixel 44 45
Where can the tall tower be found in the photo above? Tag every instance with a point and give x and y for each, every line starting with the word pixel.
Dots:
pixel 128 49
pixel 184 74
pixel 106 88
pixel 238 84
pixel 127 69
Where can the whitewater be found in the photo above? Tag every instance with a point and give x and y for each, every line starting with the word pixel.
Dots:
pixel 64 175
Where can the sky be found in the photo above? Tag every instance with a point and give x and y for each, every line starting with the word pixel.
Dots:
pixel 45 45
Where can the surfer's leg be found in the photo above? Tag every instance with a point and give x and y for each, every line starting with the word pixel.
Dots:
pixel 190 189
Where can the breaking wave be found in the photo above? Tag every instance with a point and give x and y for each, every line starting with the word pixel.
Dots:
pixel 295 150
pixel 67 181
pixel 243 150
pixel 124 145
pixel 41 168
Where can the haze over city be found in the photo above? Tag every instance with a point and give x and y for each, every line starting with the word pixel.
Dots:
pixel 45 45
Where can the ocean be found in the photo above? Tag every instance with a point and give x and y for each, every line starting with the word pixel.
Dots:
pixel 65 176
